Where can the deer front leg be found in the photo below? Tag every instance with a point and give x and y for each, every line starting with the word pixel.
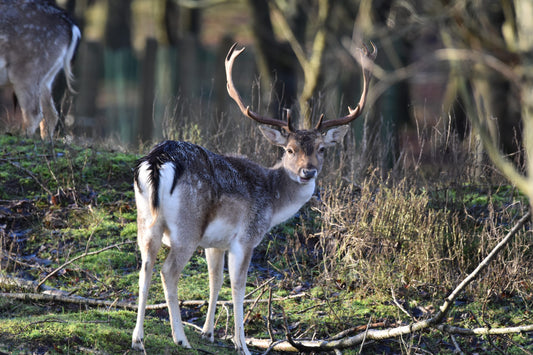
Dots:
pixel 238 262
pixel 170 273
pixel 215 266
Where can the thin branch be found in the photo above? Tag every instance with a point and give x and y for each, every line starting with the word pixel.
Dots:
pixel 269 316
pixel 263 285
pixel 397 303
pixel 451 298
pixel 57 297
pixel 484 330
pixel 27 171
pixel 79 257
pixel 253 306
pixel 323 345
pixel 456 345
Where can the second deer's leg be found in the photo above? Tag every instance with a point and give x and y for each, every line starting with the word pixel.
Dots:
pixel 238 262
pixel 49 121
pixel 28 98
pixel 215 265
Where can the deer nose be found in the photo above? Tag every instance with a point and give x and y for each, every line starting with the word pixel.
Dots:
pixel 308 173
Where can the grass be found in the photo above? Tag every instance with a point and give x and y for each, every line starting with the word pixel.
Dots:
pixel 356 254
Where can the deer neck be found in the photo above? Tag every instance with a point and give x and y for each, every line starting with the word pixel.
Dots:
pixel 288 195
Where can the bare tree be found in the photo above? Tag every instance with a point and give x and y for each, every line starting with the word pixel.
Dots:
pixel 484 26
pixel 518 43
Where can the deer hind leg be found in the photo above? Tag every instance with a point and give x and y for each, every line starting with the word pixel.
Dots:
pixel 238 263
pixel 50 118
pixel 177 258
pixel 49 121
pixel 215 265
pixel 149 245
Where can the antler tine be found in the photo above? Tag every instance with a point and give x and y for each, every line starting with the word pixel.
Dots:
pixel 232 91
pixel 367 59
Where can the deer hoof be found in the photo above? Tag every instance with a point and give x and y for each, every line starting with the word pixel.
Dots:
pixel 184 344
pixel 137 344
pixel 209 336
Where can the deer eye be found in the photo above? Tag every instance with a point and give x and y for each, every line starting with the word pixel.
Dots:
pixel 321 150
pixel 290 151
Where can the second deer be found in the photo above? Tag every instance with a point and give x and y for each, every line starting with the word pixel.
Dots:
pixel 188 197
pixel 37 40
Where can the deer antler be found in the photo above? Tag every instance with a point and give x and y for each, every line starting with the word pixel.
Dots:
pixel 232 91
pixel 367 59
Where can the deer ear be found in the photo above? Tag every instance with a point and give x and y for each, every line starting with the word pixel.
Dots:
pixel 335 135
pixel 274 136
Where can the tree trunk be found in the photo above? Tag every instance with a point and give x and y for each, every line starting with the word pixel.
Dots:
pixel 524 25
pixel 276 60
pixel 118 24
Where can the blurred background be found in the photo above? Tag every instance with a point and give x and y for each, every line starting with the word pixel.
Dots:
pixel 152 69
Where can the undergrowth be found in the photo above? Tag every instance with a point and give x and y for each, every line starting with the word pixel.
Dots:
pixel 372 247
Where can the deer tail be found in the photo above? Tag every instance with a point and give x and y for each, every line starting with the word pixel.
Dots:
pixel 76 35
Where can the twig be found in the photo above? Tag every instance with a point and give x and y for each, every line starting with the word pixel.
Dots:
pixel 272 346
pixel 79 257
pixel 288 332
pixel 267 282
pixel 227 319
pixel 451 298
pixel 55 296
pixel 269 316
pixel 484 330
pixel 253 306
pixel 192 325
pixel 508 339
pixel 365 333
pixel 359 328
pixel 456 345
pixel 18 166
pixel 398 303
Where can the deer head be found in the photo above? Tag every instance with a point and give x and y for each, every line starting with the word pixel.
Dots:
pixel 304 149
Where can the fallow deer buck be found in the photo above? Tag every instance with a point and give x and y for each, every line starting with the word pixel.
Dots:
pixel 188 196
pixel 37 39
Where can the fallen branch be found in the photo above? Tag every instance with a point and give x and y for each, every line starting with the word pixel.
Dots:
pixel 325 345
pixel 56 296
